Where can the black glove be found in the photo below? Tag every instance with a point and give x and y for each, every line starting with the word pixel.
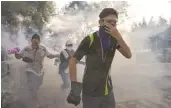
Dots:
pixel 74 95
pixel 27 59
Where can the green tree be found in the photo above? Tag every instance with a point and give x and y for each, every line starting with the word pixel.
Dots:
pixel 38 11
pixel 162 21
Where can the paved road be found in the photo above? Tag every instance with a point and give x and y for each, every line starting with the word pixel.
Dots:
pixel 143 86
pixel 135 86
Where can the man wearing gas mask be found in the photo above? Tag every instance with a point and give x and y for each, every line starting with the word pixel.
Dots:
pixel 65 56
pixel 99 49
pixel 33 56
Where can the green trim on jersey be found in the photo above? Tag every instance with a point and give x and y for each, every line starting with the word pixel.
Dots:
pixel 91 36
pixel 106 87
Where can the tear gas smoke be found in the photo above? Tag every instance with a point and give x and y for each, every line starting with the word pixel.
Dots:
pixel 77 25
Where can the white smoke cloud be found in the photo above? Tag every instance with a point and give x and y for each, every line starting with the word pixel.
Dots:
pixel 79 24
pixel 70 25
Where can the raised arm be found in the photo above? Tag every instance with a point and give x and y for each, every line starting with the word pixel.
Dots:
pixel 50 55
pixel 122 47
pixel 20 54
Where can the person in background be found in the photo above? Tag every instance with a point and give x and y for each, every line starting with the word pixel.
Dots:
pixel 33 55
pixel 99 49
pixel 65 56
pixel 63 60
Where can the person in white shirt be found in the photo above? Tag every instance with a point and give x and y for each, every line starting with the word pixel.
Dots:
pixel 33 56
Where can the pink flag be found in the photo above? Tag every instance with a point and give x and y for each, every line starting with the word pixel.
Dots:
pixel 13 50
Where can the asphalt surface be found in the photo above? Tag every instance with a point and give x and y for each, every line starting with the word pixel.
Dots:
pixel 137 84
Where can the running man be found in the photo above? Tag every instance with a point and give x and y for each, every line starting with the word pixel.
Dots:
pixel 34 56
pixel 65 56
pixel 99 49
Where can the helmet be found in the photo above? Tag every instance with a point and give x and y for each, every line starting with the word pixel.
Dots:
pixel 69 43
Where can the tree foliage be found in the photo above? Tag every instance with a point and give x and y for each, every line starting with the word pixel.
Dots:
pixel 38 12
pixel 161 21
